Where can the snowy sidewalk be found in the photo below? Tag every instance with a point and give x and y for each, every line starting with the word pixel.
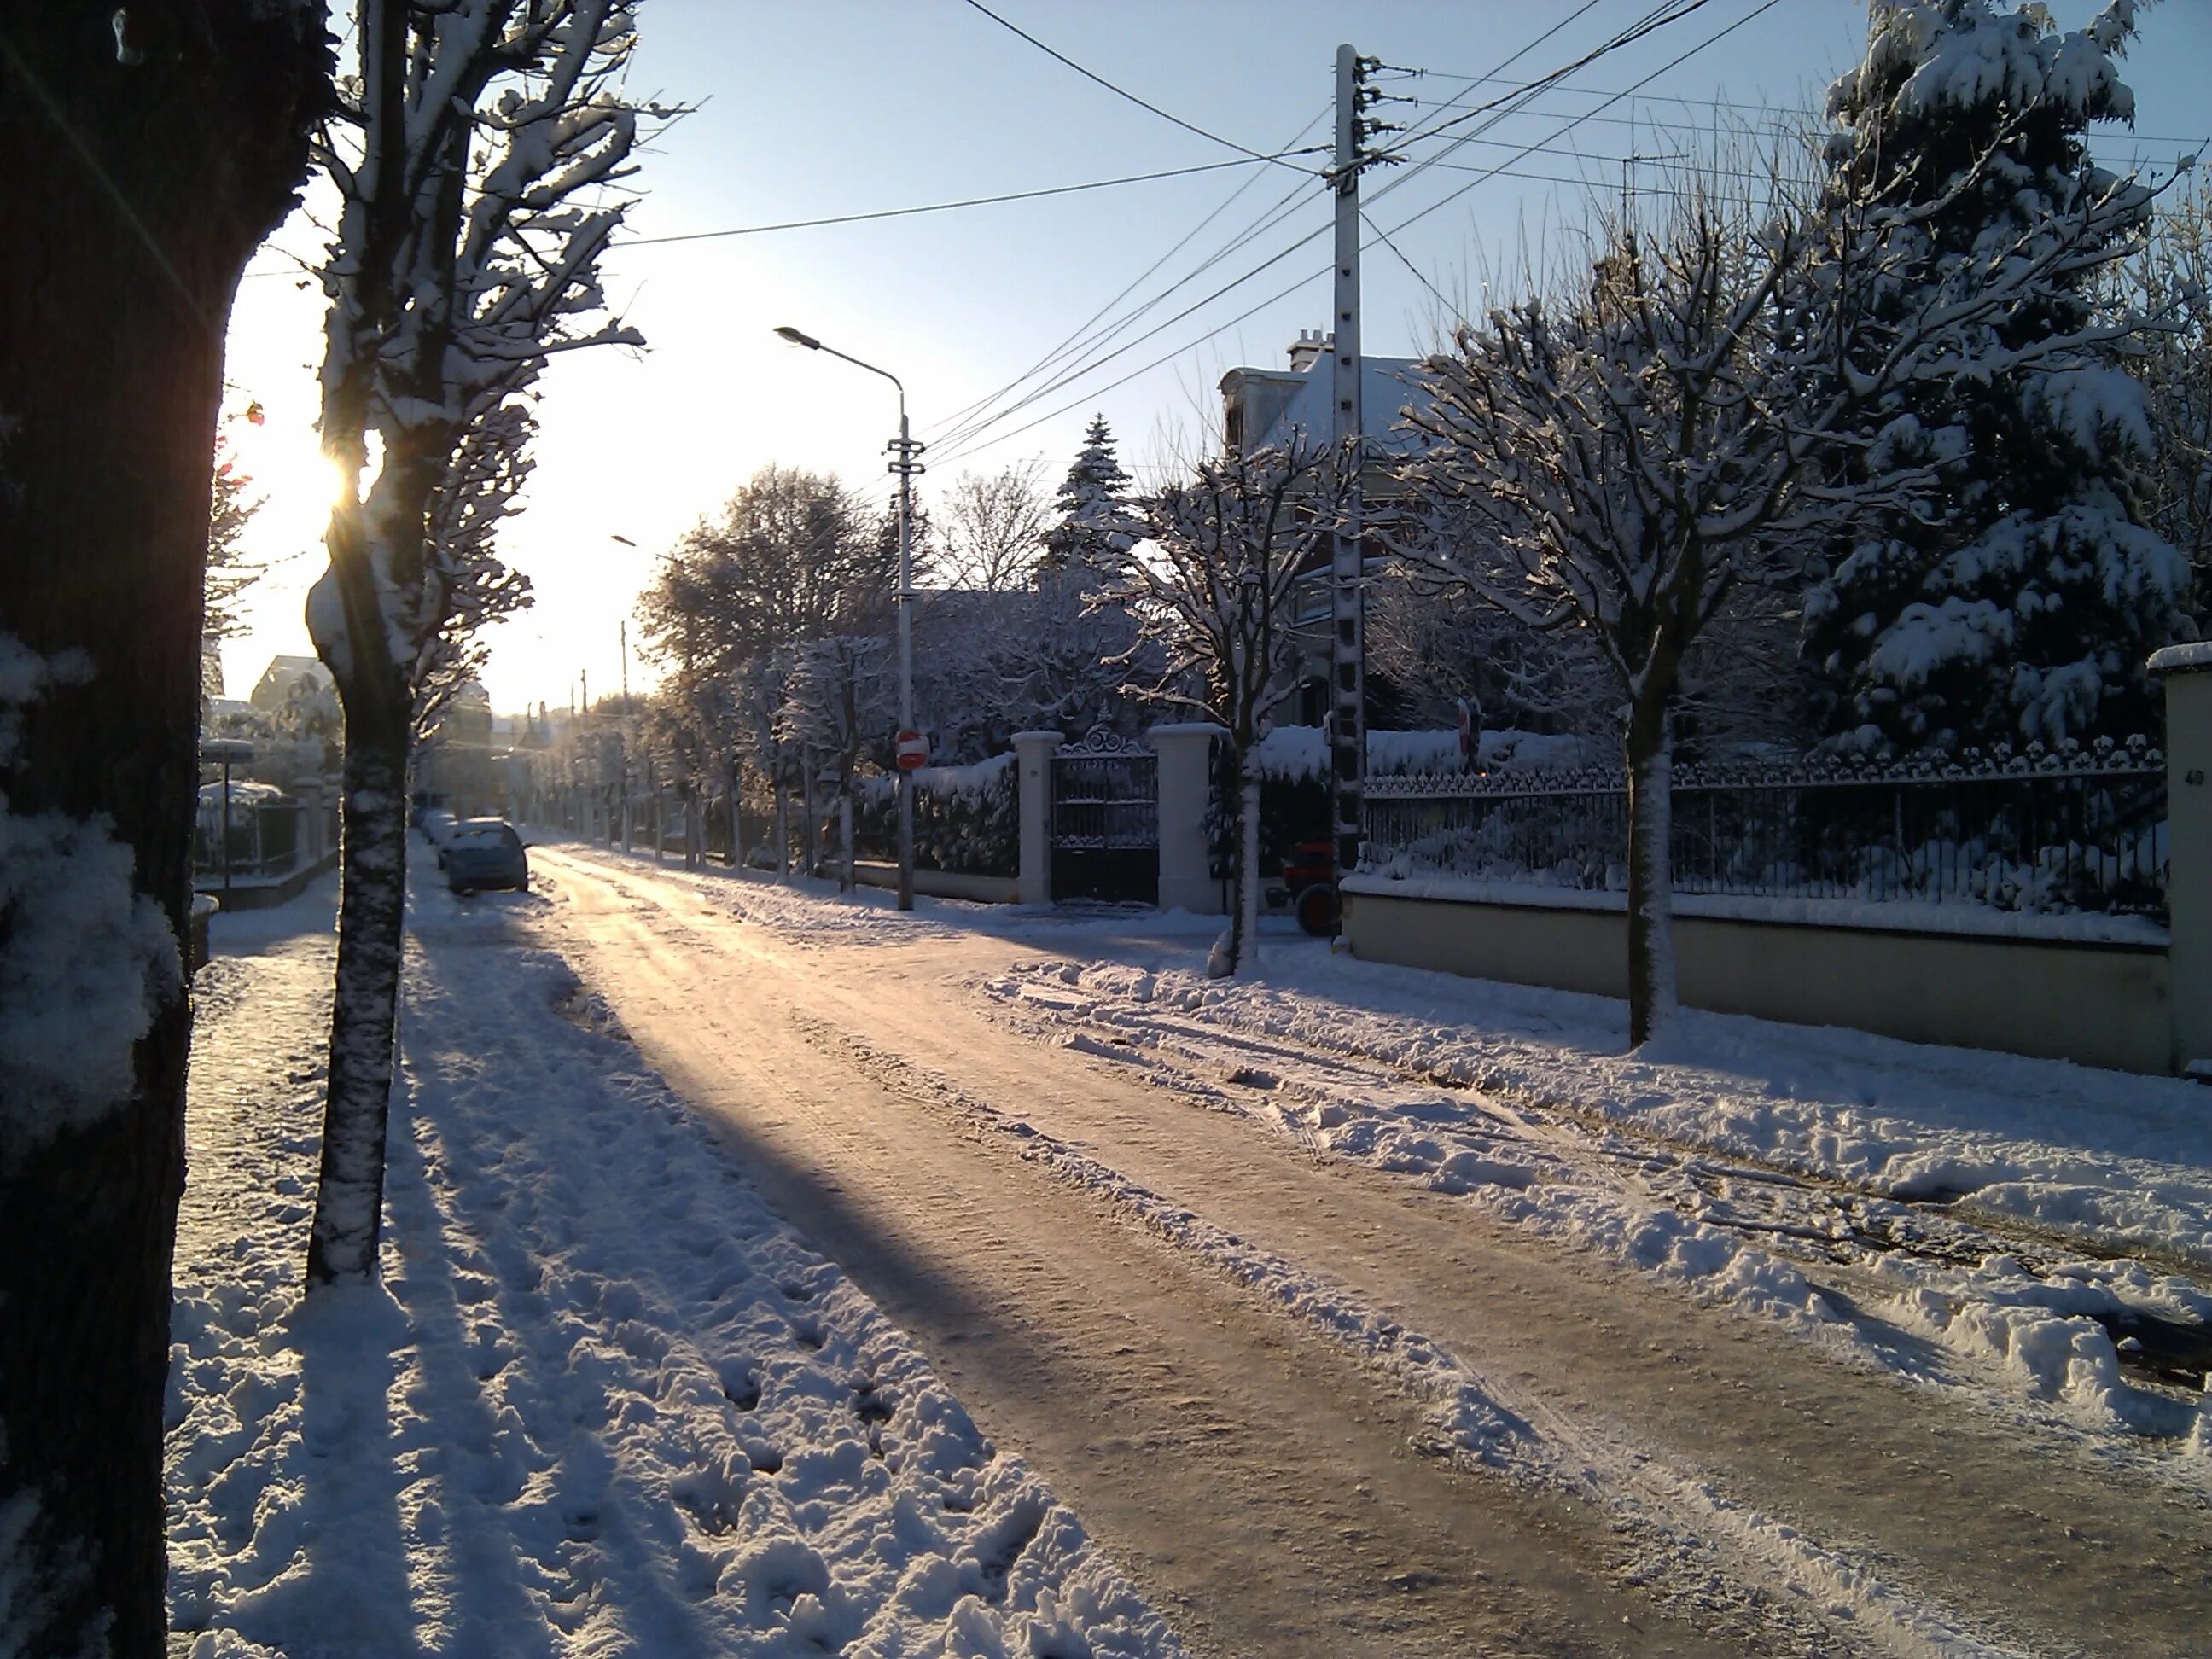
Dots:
pixel 605 1400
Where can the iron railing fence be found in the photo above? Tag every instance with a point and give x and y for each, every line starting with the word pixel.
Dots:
pixel 263 838
pixel 2076 828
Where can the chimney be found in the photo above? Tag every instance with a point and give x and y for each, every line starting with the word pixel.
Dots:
pixel 1310 347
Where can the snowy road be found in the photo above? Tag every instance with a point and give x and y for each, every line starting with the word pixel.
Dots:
pixel 1315 1407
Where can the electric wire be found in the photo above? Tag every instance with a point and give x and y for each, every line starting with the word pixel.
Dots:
pixel 979 438
pixel 1123 91
pixel 973 429
pixel 1284 207
pixel 1079 338
pixel 944 207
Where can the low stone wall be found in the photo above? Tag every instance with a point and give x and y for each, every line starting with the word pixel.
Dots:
pixel 2098 1004
pixel 942 884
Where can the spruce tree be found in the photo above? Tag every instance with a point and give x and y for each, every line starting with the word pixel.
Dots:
pixel 2019 602
pixel 1097 525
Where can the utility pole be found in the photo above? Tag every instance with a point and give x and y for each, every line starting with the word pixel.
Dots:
pixel 1348 590
pixel 623 736
pixel 905 449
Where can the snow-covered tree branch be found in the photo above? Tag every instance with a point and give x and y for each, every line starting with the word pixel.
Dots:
pixel 478 177
pixel 1726 389
pixel 1212 588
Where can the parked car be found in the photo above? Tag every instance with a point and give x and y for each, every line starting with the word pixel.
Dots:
pixel 486 853
pixel 438 830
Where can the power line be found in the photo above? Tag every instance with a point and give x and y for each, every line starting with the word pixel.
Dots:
pixel 1080 338
pixel 1737 104
pixel 942 207
pixel 975 441
pixel 1718 35
pixel 976 428
pixel 1123 91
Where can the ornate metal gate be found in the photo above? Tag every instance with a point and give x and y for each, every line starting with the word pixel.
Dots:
pixel 1106 820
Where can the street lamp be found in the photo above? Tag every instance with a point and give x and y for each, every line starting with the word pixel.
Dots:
pixel 624 734
pixel 906 449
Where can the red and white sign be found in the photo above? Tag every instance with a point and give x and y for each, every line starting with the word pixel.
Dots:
pixel 913 751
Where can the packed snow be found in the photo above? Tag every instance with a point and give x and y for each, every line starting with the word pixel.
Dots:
pixel 603 1400
pixel 1846 1186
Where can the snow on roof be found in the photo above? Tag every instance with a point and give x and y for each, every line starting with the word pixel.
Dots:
pixel 1387 384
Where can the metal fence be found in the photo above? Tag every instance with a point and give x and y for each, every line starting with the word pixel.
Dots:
pixel 2076 828
pixel 264 838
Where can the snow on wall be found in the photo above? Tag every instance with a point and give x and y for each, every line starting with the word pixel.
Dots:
pixel 1294 753
pixel 85 960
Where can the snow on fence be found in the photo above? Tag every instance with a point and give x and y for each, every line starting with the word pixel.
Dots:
pixel 2074 828
pixel 967 819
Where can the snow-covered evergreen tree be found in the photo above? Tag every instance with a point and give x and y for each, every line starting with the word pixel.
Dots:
pixel 1097 524
pixel 2019 603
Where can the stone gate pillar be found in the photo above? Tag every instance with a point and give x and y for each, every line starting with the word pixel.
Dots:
pixel 2187 671
pixel 1186 783
pixel 1033 752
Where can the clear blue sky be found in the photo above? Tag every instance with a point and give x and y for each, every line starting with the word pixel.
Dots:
pixel 834 106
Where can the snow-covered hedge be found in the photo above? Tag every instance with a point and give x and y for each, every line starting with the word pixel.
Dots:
pixel 967 819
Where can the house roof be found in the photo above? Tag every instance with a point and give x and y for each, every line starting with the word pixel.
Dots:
pixel 1387 384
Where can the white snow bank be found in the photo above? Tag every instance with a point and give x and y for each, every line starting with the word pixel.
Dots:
pixel 604 1401
pixel 1540 1121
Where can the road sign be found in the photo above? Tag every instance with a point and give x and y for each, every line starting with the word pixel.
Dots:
pixel 913 751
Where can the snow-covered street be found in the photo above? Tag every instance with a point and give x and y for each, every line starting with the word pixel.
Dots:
pixel 603 1401
pixel 1364 1311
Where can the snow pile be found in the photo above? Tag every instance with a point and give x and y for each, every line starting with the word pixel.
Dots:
pixel 1542 1122
pixel 2054 1331
pixel 85 960
pixel 604 1401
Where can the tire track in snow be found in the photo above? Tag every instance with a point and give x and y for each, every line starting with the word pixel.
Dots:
pixel 1693 1536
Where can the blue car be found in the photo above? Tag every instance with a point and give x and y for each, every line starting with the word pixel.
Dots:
pixel 486 853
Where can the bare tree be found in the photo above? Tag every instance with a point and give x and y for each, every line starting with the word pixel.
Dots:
pixel 1213 590
pixel 151 150
pixel 2173 279
pixel 474 164
pixel 995 526
pixel 1642 446
pixel 477 588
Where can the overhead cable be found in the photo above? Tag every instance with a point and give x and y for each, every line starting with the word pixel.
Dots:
pixel 969 201
pixel 1123 91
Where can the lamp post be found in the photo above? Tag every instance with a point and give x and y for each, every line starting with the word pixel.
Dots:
pixel 905 449
pixel 623 735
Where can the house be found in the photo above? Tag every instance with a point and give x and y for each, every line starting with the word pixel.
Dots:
pixel 1263 406
pixel 283 676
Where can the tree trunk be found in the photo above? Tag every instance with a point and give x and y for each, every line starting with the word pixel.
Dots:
pixel 1249 877
pixel 372 899
pixel 783 829
pixel 845 838
pixel 1238 948
pixel 737 819
pixel 136 191
pixel 1650 871
pixel 806 861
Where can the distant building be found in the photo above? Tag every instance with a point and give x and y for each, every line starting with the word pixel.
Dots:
pixel 274 687
pixel 1264 406
pixel 1261 407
